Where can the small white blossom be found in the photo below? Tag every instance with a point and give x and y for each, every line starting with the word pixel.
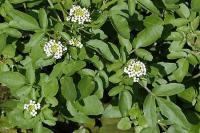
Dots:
pixel 33 113
pixel 78 15
pixel 55 49
pixel 135 69
pixel 75 42
pixel 32 107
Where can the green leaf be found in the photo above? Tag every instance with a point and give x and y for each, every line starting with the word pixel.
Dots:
pixel 168 67
pixel 126 43
pixel 100 21
pixel 149 5
pixel 97 62
pixel 177 55
pixel 49 119
pixel 102 48
pixel 114 66
pixel 148 36
pixel 195 23
pixel 13 32
pixel 12 79
pixel 117 77
pixel 22 20
pixel 17 117
pixel 68 89
pixel 149 109
pixel 87 72
pixel 131 7
pixel 52 100
pixel 35 40
pixel 65 35
pixel 175 36
pixel 192 59
pixel 9 51
pixel 57 70
pixel 68 4
pixel 41 62
pixel 179 22
pixel 3 38
pixel 30 73
pixel 38 55
pixel 72 67
pixel 124 124
pixel 176 129
pixel 153 20
pixel 183 11
pixel 197 105
pixel 86 86
pixel 115 50
pixel 81 130
pixel 116 90
pixel 150 130
pixel 17 1
pixel 169 89
pixel 100 90
pixel 172 112
pixel 85 3
pixel 50 88
pixel 144 54
pixel 38 128
pixel 182 70
pixel 91 106
pixel 9 104
pixel 96 1
pixel 71 108
pixel 171 1
pixel 104 78
pixel 81 118
pixel 112 112
pixel 46 130
pixel 58 28
pixel 43 18
pixel 22 91
pixel 125 102
pixel 4 26
pixel 121 25
pixel 195 5
pixel 188 94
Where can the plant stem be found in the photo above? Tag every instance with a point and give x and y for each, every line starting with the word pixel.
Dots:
pixel 103 7
pixel 162 126
pixel 148 90
pixel 196 76
pixel 52 6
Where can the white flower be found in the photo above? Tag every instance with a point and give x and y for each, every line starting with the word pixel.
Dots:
pixel 79 15
pixel 75 42
pixel 33 113
pixel 55 49
pixel 135 69
pixel 32 107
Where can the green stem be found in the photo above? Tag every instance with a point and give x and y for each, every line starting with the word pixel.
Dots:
pixel 63 11
pixel 148 90
pixel 162 126
pixel 103 7
pixel 52 6
pixel 196 76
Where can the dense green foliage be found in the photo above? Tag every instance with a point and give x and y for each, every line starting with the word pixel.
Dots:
pixel 85 87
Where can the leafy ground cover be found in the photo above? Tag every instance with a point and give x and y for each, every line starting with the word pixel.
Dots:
pixel 100 66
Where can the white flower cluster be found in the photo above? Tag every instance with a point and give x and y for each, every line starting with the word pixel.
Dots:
pixel 135 69
pixel 32 107
pixel 55 49
pixel 75 42
pixel 79 15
